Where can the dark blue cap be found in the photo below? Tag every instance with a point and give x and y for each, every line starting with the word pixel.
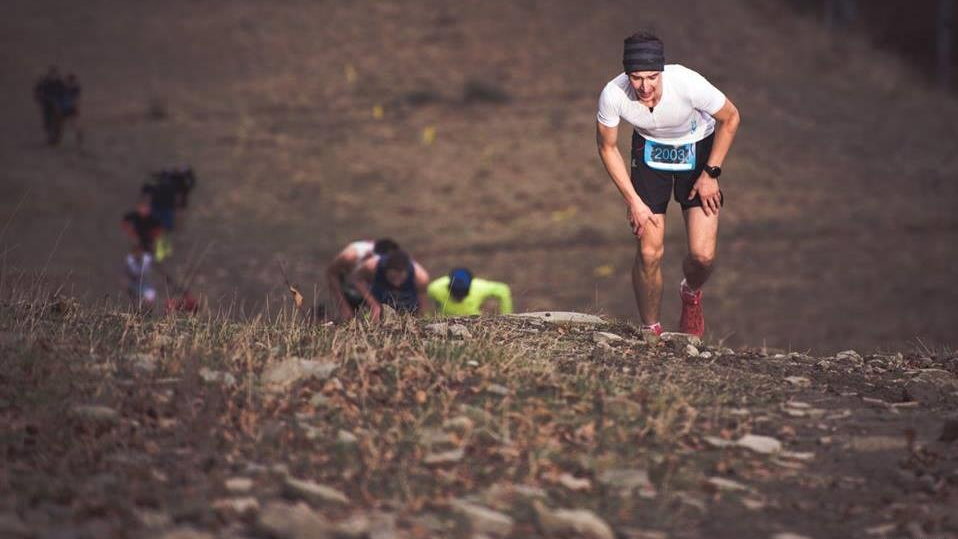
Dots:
pixel 460 279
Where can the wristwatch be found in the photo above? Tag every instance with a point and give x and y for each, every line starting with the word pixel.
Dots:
pixel 714 172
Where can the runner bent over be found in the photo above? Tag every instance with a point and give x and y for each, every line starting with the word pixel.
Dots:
pixel 395 280
pixel 683 129
pixel 341 272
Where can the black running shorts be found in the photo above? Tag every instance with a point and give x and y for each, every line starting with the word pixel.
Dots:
pixel 654 186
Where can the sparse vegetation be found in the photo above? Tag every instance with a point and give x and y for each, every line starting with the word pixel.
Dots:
pixel 123 423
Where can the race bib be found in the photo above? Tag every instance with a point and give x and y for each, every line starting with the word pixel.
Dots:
pixel 667 157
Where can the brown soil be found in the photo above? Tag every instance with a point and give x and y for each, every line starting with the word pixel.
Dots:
pixel 839 232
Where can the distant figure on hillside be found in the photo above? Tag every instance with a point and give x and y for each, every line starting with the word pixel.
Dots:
pixel 461 294
pixel 139 264
pixel 161 195
pixel 183 180
pixel 142 227
pixel 683 129
pixel 69 108
pixel 395 280
pixel 164 193
pixel 341 273
pixel 48 93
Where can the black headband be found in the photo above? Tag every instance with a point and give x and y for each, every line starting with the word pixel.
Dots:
pixel 643 55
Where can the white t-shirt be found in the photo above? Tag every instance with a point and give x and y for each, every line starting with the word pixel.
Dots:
pixel 363 250
pixel 683 115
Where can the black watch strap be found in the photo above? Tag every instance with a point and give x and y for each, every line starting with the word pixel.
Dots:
pixel 714 172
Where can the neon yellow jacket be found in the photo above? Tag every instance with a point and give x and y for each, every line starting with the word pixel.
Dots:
pixel 479 291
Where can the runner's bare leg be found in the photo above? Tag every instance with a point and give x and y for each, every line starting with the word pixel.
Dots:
pixel 647 271
pixel 702 233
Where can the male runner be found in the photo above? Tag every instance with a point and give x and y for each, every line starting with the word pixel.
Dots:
pixel 48 91
pixel 341 272
pixel 683 129
pixel 395 280
pixel 143 228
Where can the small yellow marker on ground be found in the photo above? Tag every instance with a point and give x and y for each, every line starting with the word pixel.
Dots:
pixel 565 214
pixel 428 135
pixel 378 112
pixel 605 270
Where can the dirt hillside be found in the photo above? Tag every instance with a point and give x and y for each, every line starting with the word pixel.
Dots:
pixel 466 132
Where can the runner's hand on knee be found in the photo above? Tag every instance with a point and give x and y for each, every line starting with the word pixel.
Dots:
pixel 707 189
pixel 639 217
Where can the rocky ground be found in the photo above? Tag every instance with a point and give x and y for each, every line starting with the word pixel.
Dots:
pixel 118 426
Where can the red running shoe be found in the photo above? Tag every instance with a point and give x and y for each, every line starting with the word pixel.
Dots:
pixel 692 320
pixel 655 329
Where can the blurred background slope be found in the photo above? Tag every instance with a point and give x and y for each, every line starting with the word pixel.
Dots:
pixel 466 132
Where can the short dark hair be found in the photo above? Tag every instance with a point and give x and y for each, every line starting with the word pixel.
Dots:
pixel 397 260
pixel 384 246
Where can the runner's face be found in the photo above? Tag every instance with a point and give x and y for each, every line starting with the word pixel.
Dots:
pixel 646 84
pixel 396 277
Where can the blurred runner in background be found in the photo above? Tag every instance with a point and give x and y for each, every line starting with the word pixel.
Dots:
pixel 341 273
pixel 48 92
pixel 142 227
pixel 395 280
pixel 183 180
pixel 461 294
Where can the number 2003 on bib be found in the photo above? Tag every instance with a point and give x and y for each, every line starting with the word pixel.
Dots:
pixel 668 157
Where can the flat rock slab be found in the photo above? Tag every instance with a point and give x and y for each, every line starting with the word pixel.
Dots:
pixel 286 521
pixel 95 414
pixel 628 480
pixel 760 444
pixel 239 485
pixel 563 317
pixel 483 520
pixel 281 376
pixel 217 377
pixel 580 523
pixel 314 493
pixel 720 483
pixel 448 457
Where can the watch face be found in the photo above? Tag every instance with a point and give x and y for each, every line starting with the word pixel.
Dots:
pixel 714 172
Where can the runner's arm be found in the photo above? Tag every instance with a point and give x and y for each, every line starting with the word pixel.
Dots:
pixel 501 292
pixel 334 274
pixel 422 286
pixel 639 212
pixel 439 292
pixel 364 279
pixel 728 120
pixel 707 187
